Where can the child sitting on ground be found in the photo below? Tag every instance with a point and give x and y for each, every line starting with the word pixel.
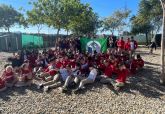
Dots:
pixel 121 77
pixel 83 81
pixel 140 62
pixel 9 76
pixel 25 78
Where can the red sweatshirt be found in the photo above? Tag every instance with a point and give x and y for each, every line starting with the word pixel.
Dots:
pixel 122 75
pixel 58 65
pixel 108 71
pixel 120 44
pixel 9 76
pixel 26 72
pixel 132 66
pixel 127 46
pixel 66 62
pixel 140 63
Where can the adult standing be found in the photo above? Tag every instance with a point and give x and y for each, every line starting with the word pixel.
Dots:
pixel 115 44
pixel 127 46
pixel 152 46
pixel 133 47
pixel 111 44
pixel 120 44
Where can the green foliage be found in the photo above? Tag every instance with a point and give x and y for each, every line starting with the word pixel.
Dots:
pixel 115 21
pixel 10 17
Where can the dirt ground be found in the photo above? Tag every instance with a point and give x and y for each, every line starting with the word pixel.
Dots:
pixel 142 94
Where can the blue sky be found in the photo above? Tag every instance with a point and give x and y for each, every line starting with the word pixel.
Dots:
pixel 103 7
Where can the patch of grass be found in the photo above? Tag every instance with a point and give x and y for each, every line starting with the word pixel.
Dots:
pixel 141 43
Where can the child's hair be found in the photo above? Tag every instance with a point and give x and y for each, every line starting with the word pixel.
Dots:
pixel 68 66
pixel 91 66
pixel 26 61
pixel 89 58
pixel 138 56
pixel 121 64
pixel 106 61
pixel 23 66
pixel 39 56
pixel 9 67
pixel 78 64
pixel 6 64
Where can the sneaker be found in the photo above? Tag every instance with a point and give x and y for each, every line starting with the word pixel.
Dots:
pixel 39 86
pixel 46 88
pixel 62 89
pixel 117 88
pixel 77 90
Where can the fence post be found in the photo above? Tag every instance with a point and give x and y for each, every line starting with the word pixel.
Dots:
pixel 6 44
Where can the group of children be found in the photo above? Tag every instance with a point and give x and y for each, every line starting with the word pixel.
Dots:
pixel 70 66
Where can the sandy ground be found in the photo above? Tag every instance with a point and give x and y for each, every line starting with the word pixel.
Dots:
pixel 142 94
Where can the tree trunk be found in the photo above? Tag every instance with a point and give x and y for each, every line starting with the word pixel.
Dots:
pixel 67 33
pixel 57 38
pixel 146 39
pixel 11 42
pixel 153 39
pixel 162 81
pixel 39 37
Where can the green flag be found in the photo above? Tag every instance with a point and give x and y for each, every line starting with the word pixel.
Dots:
pixel 94 44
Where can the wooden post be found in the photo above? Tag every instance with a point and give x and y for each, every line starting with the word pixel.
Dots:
pixel 162 81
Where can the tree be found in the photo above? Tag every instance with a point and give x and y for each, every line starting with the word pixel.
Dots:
pixel 10 18
pixel 58 13
pixel 115 21
pixel 137 28
pixel 35 17
pixel 86 23
pixel 162 81
pixel 150 11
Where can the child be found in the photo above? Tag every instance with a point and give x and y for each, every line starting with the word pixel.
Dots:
pixel 32 58
pixel 29 67
pixel 38 64
pixel 89 80
pixel 107 73
pixel 9 76
pixel 115 66
pixel 75 72
pixel 132 65
pixel 25 78
pixel 140 62
pixel 57 80
pixel 121 77
pixel 66 61
pixel 48 74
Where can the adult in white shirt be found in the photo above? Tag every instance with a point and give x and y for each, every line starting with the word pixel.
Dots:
pixel 58 78
pixel 133 47
pixel 89 80
pixel 70 79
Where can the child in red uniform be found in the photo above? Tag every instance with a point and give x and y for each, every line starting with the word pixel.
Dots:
pixel 48 74
pixel 30 69
pixel 38 64
pixel 140 62
pixel 32 59
pixel 115 66
pixel 132 65
pixel 9 76
pixel 25 78
pixel 66 61
pixel 107 73
pixel 58 63
pixel 121 77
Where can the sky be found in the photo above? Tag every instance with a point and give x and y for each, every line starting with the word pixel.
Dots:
pixel 103 7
